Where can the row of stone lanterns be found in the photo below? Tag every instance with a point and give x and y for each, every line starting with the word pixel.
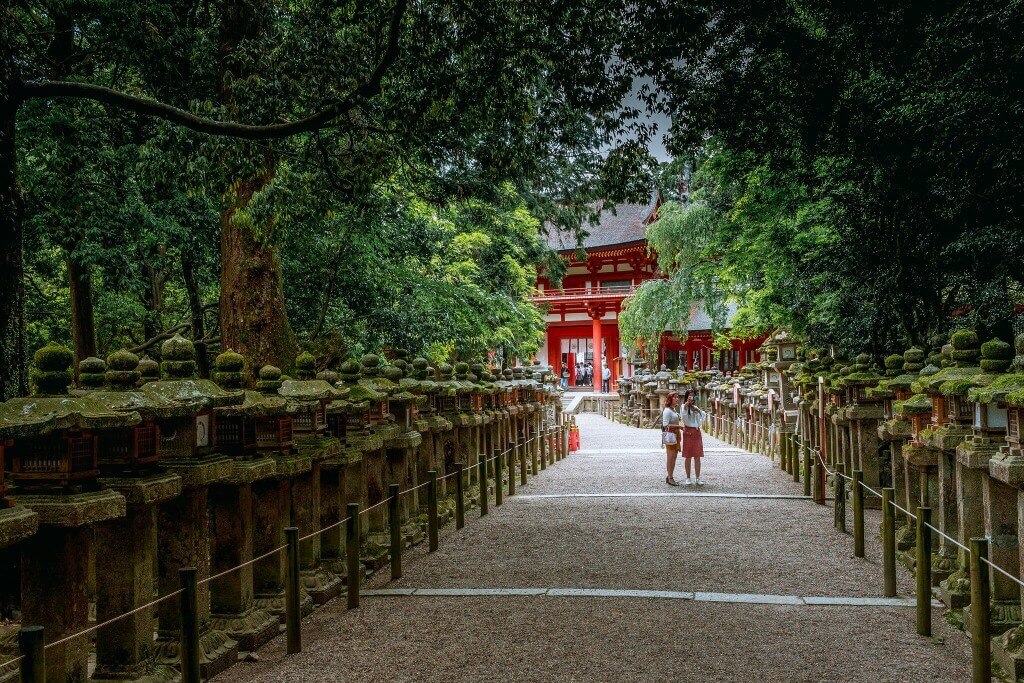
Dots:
pixel 144 469
pixel 943 429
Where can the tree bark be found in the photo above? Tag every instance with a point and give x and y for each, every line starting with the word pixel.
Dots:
pixel 83 329
pixel 13 361
pixel 253 319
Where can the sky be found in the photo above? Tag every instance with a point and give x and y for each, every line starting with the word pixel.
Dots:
pixel 659 120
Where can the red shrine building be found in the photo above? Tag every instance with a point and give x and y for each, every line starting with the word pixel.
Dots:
pixel 583 315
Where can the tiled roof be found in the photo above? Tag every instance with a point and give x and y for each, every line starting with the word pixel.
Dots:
pixel 700 320
pixel 622 224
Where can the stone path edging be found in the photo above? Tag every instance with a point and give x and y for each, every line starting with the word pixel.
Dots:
pixel 698 596
pixel 755 496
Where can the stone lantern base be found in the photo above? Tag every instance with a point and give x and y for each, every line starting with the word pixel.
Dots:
pixel 16 524
pixel 58 600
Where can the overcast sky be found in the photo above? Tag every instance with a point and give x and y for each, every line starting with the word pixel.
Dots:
pixel 661 121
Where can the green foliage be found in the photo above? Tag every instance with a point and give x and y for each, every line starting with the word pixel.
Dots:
pixel 860 160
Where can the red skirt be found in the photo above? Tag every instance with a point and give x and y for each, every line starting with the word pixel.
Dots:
pixel 693 443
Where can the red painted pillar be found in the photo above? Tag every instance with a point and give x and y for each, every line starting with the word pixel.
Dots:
pixel 597 351
pixel 554 343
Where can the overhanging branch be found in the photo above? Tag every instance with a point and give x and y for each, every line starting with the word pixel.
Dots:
pixel 147 107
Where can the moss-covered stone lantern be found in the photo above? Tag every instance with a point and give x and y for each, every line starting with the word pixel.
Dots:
pixel 986 505
pixel 54 439
pixel 184 405
pixel 51 448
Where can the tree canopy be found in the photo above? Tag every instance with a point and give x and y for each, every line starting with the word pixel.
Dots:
pixel 857 176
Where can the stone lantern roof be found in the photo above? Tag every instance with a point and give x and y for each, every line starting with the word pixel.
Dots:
pixel 180 392
pixel 51 408
pixel 995 360
pixel 960 371
pixel 229 374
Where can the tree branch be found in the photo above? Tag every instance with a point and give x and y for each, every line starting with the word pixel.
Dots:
pixel 147 107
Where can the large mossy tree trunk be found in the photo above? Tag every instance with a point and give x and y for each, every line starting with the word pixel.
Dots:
pixel 13 366
pixel 253 319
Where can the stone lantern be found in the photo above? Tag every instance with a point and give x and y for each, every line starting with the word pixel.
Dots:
pixel 987 505
pixel 952 415
pixel 50 449
pixel 402 448
pixel 308 399
pixel 1007 468
pixel 902 372
pixel 183 407
pixel 367 427
pixel 129 462
pixel 233 503
pixel 864 411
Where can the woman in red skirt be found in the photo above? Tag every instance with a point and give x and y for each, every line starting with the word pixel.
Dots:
pixel 692 418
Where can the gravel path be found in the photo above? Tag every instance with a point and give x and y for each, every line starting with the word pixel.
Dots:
pixel 677 542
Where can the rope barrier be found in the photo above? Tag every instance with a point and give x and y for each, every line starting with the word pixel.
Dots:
pixel 817 452
pixel 244 564
pixel 270 553
pixel 111 621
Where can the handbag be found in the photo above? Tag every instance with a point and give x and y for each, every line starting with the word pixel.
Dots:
pixel 670 438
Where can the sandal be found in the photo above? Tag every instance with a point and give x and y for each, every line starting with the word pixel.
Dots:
pixel 671 482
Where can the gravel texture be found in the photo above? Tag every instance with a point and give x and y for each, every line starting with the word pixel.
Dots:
pixel 678 543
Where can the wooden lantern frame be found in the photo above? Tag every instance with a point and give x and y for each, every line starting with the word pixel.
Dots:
pixel 60 458
pixel 940 411
pixel 4 444
pixel 1014 425
pixel 130 447
pixel 378 412
pixel 236 435
pixel 310 418
pixel 274 434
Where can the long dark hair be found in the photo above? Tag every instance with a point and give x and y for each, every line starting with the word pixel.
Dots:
pixel 686 395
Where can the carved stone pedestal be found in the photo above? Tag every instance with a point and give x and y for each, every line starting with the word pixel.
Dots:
pixel 184 532
pixel 232 606
pixel 57 599
pixel 127 548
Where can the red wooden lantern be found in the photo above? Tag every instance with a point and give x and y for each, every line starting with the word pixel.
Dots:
pixel 236 435
pixel 130 447
pixel 54 459
pixel 274 434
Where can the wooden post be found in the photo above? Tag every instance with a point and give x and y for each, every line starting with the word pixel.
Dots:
pixel 189 605
pixel 858 514
pixel 292 598
pixel 924 572
pixel 794 456
pixel 511 472
pixel 981 627
pixel 432 509
pixel 840 501
pixel 352 555
pixel 460 497
pixel 395 527
pixel 33 662
pixel 888 543
pixel 521 447
pixel 482 469
pixel 498 467
pixel 805 453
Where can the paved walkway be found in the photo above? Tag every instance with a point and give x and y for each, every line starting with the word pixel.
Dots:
pixel 749 584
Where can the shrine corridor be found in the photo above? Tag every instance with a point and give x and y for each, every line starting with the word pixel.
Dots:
pixel 741 580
